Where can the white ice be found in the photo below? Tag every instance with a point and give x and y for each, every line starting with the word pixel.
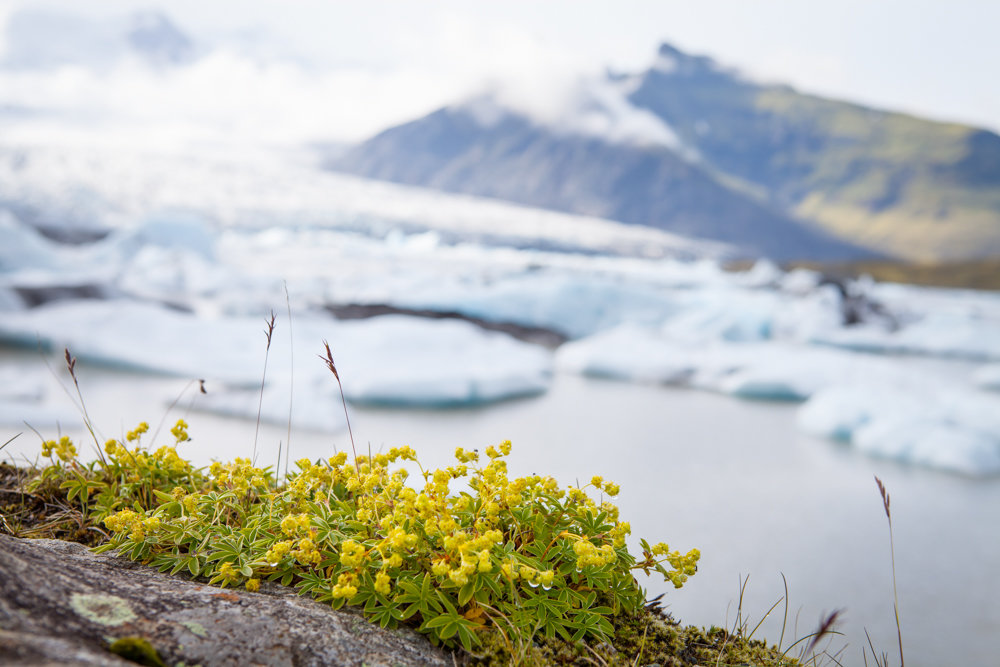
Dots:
pixel 221 243
pixel 389 360
pixel 947 427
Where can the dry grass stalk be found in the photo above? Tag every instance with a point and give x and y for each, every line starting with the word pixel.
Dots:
pixel 892 555
pixel 269 332
pixel 328 360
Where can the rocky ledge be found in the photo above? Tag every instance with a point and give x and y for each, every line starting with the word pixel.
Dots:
pixel 60 604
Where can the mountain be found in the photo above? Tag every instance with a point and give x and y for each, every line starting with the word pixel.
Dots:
pixel 771 170
pixel 518 160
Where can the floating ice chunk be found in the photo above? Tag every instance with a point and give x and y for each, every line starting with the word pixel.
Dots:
pixel 932 442
pixel 171 274
pixel 946 323
pixel 575 305
pixel 628 352
pixel 764 273
pixel 398 360
pixel 313 405
pixel 800 281
pixel 727 315
pixel 393 360
pixel 949 428
pixel 141 336
pixel 9 300
pixel 177 229
pixel 23 247
pixel 758 370
pixel 988 377
pixel 934 335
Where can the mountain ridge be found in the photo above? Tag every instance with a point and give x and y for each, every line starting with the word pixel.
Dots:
pixel 778 173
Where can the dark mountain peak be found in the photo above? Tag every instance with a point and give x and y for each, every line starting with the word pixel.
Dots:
pixel 158 39
pixel 672 61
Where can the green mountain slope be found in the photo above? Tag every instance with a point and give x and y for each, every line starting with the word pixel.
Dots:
pixel 912 188
pixel 770 170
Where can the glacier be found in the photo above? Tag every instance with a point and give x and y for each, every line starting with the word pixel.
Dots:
pixel 181 258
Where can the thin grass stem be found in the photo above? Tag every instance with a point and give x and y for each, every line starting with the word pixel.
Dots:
pixel 269 331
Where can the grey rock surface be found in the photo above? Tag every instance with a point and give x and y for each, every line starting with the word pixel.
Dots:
pixel 60 604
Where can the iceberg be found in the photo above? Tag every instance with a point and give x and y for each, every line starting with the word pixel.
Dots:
pixel 988 377
pixel 946 427
pixel 388 360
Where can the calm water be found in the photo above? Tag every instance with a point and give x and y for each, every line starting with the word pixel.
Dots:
pixel 733 478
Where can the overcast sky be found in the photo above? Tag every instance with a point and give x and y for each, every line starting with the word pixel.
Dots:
pixel 405 57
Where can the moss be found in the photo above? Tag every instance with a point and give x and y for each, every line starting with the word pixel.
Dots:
pixel 43 512
pixel 137 650
pixel 647 638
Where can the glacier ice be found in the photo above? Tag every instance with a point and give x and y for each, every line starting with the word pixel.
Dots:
pixel 389 360
pixel 945 427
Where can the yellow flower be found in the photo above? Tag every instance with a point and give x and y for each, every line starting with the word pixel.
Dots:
pixel 382 583
pixel 180 431
pixel 440 567
pixel 351 553
pixel 253 585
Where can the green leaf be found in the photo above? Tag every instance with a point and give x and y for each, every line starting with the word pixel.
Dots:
pixel 466 593
pixel 164 497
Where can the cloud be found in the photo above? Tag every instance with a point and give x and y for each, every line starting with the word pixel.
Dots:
pixel 230 94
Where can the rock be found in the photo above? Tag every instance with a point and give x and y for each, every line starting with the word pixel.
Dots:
pixel 60 604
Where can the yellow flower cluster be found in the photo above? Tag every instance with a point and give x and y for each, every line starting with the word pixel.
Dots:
pixel 684 565
pixel 135 524
pixel 180 431
pixel 346 586
pixel 228 574
pixel 240 475
pixel 589 555
pixel 132 436
pixel 278 551
pixel 64 449
pixel 348 531
pixel 514 571
pixel 293 525
pixel 351 553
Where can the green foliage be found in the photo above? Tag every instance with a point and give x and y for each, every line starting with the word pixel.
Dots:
pixel 468 552
pixel 137 650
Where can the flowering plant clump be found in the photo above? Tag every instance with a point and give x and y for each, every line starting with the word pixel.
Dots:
pixel 465 549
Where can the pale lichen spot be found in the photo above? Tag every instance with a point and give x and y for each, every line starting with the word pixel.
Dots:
pixel 103 609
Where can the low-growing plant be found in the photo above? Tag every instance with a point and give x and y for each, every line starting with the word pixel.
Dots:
pixel 523 556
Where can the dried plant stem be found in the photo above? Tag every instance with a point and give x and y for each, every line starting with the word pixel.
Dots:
pixel 71 366
pixel 892 557
pixel 291 386
pixel 328 359
pixel 269 332
pixel 173 404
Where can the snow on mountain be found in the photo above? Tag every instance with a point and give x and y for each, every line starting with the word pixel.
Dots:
pixel 588 107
